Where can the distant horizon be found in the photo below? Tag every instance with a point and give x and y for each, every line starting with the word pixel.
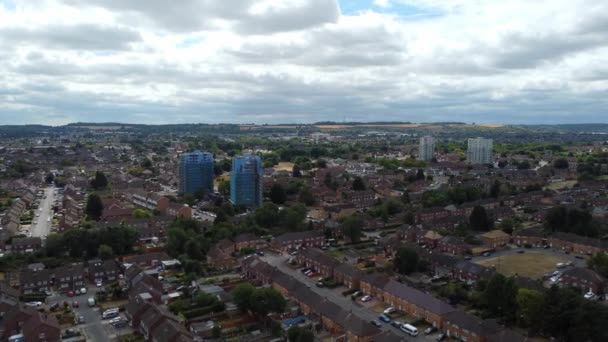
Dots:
pixel 329 123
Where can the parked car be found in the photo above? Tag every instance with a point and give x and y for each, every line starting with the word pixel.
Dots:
pixel 366 298
pixel 397 324
pixel 53 306
pixel 430 330
pixel 390 310
pixel 377 324
pixel 33 304
pixel 75 304
pixel 98 283
pixel 357 293
pixel 441 337
pixel 83 290
pixel 79 319
pixel 260 253
pixel 384 318
pixel 71 293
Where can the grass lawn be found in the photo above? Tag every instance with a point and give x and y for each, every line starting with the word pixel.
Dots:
pixel 529 264
pixel 284 166
pixel 561 185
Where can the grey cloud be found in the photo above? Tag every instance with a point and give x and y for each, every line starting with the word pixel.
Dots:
pixel 78 37
pixel 197 15
pixel 330 48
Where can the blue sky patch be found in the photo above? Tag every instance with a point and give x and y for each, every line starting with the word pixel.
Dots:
pixel 408 12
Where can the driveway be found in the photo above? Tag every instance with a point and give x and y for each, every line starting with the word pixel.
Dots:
pixel 44 219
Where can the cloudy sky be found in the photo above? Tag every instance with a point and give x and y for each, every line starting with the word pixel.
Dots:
pixel 284 61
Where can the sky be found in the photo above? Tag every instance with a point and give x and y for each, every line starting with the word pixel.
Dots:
pixel 302 61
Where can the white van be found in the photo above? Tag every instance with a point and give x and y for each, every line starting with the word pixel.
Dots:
pixel 91 301
pixel 409 329
pixel 110 313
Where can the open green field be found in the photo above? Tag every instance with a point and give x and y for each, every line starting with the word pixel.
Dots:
pixel 529 264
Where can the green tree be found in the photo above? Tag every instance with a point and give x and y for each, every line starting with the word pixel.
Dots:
pixel 359 184
pixel 176 241
pixel 142 213
pixel 352 227
pixel 306 196
pixel 406 260
pixel 479 219
pixel 105 252
pixel 50 177
pixel 266 300
pixel 297 334
pixel 193 249
pixel 531 308
pixel 267 215
pixel 224 187
pixel 500 297
pixel 242 294
pixel 277 194
pixel 94 207
pixel 599 263
pixel 293 217
pixel 100 181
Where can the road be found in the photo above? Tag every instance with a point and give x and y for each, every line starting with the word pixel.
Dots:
pixel 346 303
pixel 44 220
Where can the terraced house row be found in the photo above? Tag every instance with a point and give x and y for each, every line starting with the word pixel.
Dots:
pixel 418 304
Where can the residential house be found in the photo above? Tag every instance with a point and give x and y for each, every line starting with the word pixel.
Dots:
pixel 466 327
pixel 319 261
pixel 349 275
pixel 9 298
pixel 373 284
pixel 26 245
pixel 454 245
pixel 248 240
pixel 576 243
pixel 69 277
pixel 35 282
pixel 416 303
pixel 530 237
pixel 495 239
pixel 298 239
pixel 431 239
pixel 585 279
pixel 103 271
pixel 471 272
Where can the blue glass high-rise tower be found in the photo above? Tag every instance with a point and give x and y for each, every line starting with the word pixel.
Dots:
pixel 246 186
pixel 196 172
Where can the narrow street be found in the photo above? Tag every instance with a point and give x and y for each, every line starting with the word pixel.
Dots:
pixel 44 218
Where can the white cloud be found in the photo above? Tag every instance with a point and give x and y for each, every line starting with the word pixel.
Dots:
pixel 303 60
